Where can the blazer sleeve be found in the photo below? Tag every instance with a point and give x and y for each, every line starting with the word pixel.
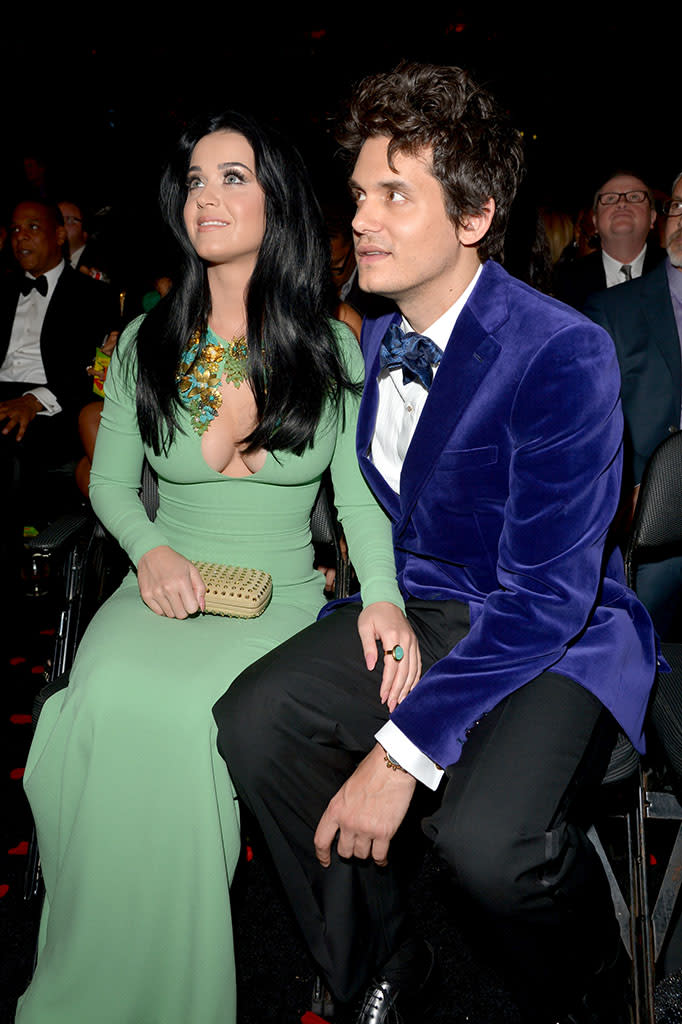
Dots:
pixel 566 432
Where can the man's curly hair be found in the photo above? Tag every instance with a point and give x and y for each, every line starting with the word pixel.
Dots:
pixel 475 151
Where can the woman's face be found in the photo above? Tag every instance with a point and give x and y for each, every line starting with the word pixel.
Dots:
pixel 225 205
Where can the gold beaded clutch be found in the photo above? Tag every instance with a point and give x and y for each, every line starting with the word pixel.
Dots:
pixel 231 590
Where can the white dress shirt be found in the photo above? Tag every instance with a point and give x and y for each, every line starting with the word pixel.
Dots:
pixel 75 256
pixel 23 361
pixel 400 406
pixel 614 274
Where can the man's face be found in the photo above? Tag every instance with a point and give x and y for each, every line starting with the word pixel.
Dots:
pixel 36 238
pixel 73 223
pixel 673 232
pixel 406 246
pixel 624 222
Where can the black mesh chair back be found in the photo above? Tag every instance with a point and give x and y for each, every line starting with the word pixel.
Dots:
pixel 657 526
pixel 149 491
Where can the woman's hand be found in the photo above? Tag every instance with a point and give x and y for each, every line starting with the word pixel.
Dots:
pixel 386 623
pixel 169 584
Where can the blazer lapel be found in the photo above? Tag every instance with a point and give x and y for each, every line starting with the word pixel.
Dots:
pixel 471 351
pixel 56 316
pixel 468 357
pixel 372 333
pixel 658 310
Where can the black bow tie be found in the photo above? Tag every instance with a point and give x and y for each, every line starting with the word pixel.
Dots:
pixel 414 352
pixel 39 283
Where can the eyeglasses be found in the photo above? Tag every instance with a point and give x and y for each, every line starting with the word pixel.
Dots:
pixel 635 195
pixel 672 207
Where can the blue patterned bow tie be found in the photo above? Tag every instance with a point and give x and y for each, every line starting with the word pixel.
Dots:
pixel 414 352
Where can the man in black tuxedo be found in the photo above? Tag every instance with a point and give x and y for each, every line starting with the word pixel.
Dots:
pixel 623 215
pixel 51 321
pixel 644 318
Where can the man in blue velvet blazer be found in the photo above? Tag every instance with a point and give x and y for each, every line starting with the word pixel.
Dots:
pixel 490 431
pixel 507 492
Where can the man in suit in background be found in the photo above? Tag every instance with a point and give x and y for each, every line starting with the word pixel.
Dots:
pixel 623 214
pixel 51 321
pixel 490 431
pixel 645 321
pixel 82 253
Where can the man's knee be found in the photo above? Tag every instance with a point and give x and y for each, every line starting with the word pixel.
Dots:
pixel 247 715
pixel 501 867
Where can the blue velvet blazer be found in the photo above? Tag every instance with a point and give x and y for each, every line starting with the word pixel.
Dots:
pixel 508 490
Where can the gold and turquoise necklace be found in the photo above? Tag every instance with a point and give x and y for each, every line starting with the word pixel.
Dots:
pixel 200 375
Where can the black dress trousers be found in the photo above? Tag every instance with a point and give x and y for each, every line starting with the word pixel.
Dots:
pixel 295 724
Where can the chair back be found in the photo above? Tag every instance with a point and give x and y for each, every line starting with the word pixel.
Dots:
pixel 149 491
pixel 657 526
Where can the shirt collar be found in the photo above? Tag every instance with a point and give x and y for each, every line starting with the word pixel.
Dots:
pixel 439 332
pixel 637 264
pixel 76 255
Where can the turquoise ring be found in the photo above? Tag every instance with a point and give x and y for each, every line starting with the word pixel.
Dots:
pixel 397 653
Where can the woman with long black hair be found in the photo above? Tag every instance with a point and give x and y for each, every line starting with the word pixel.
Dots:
pixel 241 392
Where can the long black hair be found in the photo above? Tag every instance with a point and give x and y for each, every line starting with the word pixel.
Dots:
pixel 294 364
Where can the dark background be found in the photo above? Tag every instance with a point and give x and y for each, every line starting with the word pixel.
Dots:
pixel 102 92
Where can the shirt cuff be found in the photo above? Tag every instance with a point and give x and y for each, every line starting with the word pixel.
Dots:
pixel 409 756
pixel 50 404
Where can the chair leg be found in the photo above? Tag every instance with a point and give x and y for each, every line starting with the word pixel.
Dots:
pixel 634 919
pixel 644 962
pixel 623 915
pixel 322 1003
pixel 33 874
pixel 665 806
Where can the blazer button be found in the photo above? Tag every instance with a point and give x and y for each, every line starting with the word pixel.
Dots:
pixel 672 429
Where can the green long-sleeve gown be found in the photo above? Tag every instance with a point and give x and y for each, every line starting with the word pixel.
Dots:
pixel 137 821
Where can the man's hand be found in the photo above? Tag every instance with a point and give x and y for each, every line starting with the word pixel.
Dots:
pixel 386 623
pixel 170 584
pixel 19 412
pixel 366 812
pixel 109 343
pixel 98 275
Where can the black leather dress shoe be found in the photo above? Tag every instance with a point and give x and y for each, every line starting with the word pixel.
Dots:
pixel 399 998
pixel 380 1004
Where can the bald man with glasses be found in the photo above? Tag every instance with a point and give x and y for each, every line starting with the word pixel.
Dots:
pixel 623 214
